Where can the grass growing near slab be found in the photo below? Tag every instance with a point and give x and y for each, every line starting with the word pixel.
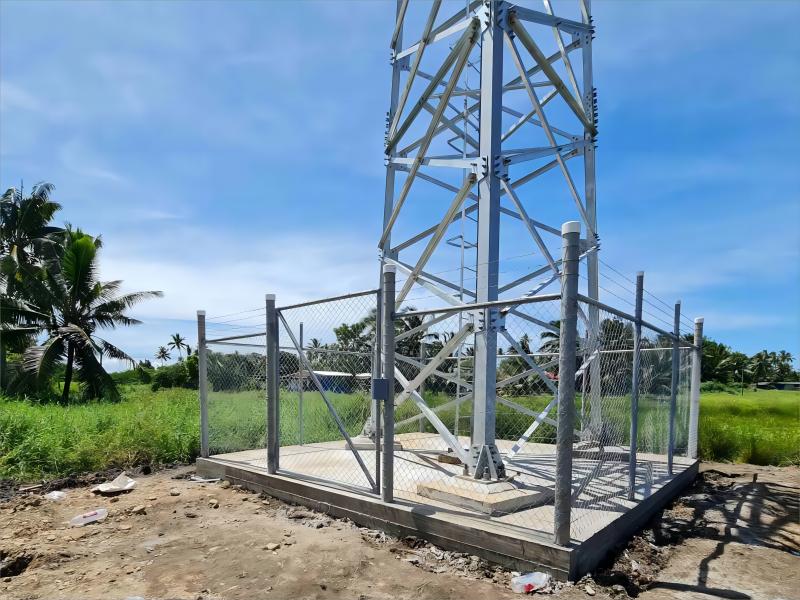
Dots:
pixel 49 440
pixel 761 428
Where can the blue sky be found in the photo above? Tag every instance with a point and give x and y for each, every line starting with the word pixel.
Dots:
pixel 225 150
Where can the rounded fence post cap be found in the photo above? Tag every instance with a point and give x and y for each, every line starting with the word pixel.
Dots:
pixel 699 320
pixel 201 313
pixel 269 297
pixel 571 227
pixel 389 269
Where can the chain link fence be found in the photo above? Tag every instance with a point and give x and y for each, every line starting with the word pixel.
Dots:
pixel 629 425
pixel 325 377
pixel 236 394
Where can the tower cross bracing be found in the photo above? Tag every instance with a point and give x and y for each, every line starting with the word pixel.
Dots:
pixel 492 126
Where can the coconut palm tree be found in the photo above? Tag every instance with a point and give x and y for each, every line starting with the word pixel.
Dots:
pixel 25 234
pixel 178 342
pixel 162 354
pixel 77 305
pixel 761 367
pixel 24 242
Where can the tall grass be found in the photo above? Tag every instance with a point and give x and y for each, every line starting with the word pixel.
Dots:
pixel 46 440
pixel 761 428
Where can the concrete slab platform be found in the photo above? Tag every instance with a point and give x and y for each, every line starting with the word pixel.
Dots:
pixel 491 497
pixel 326 476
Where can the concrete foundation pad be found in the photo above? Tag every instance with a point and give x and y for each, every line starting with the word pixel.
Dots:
pixel 364 443
pixel 325 476
pixel 487 497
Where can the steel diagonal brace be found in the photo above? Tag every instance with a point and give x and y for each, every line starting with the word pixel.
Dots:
pixel 446 350
pixel 409 392
pixel 464 47
pixel 426 284
pixel 531 429
pixel 529 225
pixel 524 355
pixel 514 378
pixel 446 376
pixel 467 39
pixel 415 65
pixel 452 25
pixel 449 214
pixel 528 118
pixel 436 409
pixel 532 275
pixel 512 85
pixel 433 419
pixel 528 412
pixel 549 133
pixel 331 409
pixel 433 279
pixel 423 327
pixel 549 72
pixel 398 25
pixel 544 169
pixel 563 50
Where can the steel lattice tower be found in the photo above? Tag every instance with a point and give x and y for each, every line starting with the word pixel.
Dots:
pixel 498 158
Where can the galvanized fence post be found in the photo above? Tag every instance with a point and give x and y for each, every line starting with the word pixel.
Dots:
pixel 673 396
pixel 635 377
pixel 273 383
pixel 387 479
pixel 694 395
pixel 202 381
pixel 301 385
pixel 570 236
pixel 378 395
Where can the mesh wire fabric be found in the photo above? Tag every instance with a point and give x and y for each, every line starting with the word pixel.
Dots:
pixel 437 364
pixel 325 397
pixel 335 365
pixel 237 395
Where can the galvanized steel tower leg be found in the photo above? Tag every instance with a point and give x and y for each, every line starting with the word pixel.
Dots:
pixel 487 463
pixel 590 196
pixel 570 233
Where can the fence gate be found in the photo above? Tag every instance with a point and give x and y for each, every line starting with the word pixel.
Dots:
pixel 323 375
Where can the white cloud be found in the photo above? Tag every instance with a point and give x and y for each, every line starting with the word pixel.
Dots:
pixel 76 157
pixel 222 273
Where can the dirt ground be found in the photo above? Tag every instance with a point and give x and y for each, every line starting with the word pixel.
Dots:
pixel 735 534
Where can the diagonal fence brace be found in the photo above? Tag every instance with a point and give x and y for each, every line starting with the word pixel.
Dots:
pixel 331 409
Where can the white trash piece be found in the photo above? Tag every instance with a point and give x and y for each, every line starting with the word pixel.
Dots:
pixel 122 483
pixel 55 496
pixel 530 582
pixel 90 517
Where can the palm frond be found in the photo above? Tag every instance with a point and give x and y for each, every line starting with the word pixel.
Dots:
pixel 42 360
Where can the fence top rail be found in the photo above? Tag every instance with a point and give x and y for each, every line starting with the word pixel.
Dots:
pixel 511 302
pixel 244 336
pixel 330 299
pixel 624 315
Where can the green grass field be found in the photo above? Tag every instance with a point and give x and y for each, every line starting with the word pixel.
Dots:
pixel 46 440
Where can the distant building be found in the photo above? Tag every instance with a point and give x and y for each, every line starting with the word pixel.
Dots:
pixel 787 386
pixel 331 381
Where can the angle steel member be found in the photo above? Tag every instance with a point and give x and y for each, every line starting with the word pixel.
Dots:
pixel 488 188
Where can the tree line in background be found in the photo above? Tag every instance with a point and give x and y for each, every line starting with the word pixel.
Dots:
pixel 53 303
pixel 53 306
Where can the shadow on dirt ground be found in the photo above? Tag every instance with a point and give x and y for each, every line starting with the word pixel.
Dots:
pixel 734 534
